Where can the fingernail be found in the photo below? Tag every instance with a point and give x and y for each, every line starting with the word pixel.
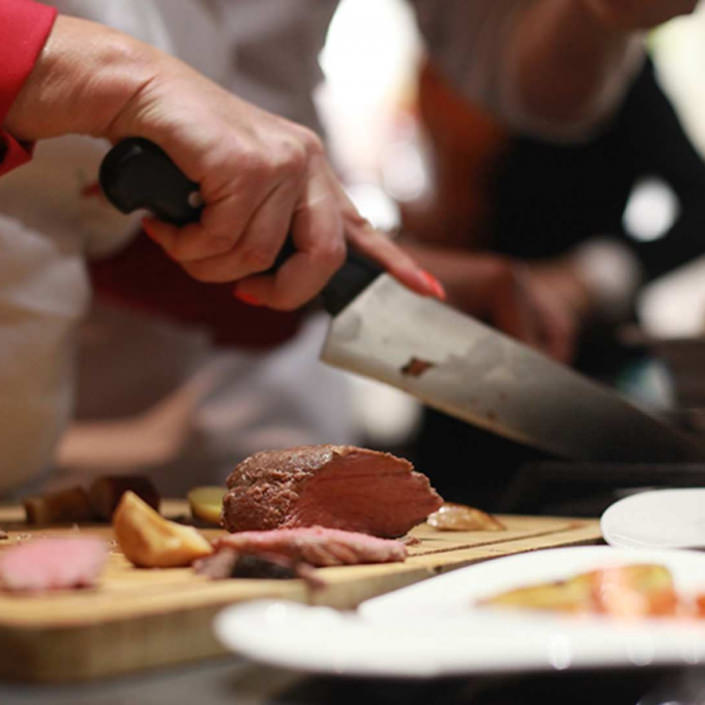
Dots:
pixel 246 298
pixel 434 285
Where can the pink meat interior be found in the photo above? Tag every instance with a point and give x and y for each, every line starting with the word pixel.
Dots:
pixel 379 496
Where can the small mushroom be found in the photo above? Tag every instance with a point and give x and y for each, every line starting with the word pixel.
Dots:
pixel 459 517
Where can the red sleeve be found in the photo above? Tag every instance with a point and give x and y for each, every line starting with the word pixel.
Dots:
pixel 24 27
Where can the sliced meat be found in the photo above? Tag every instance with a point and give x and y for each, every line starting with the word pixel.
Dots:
pixel 316 545
pixel 340 487
pixel 218 566
pixel 228 563
pixel 52 564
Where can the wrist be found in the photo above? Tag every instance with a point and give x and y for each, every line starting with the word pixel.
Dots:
pixel 83 78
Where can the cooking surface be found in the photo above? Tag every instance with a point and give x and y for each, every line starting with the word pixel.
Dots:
pixel 141 618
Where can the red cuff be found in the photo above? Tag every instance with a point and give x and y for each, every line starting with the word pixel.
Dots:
pixel 24 28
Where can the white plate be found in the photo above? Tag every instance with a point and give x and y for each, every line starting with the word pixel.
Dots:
pixel 433 629
pixel 657 519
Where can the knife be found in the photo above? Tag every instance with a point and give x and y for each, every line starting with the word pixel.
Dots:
pixel 446 359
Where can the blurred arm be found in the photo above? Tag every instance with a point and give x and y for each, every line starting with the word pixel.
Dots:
pixel 555 68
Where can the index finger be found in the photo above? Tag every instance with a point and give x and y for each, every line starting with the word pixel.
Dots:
pixel 317 232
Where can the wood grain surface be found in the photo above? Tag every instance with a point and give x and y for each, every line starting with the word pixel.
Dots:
pixel 139 618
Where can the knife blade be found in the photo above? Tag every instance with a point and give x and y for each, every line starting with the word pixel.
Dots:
pixel 443 357
pixel 464 368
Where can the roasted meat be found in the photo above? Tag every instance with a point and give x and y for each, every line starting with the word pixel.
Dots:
pixel 340 487
pixel 316 545
pixel 52 563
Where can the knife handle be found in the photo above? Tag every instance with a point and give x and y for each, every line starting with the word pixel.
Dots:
pixel 136 173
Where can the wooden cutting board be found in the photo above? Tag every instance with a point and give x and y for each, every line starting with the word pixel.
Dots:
pixel 140 618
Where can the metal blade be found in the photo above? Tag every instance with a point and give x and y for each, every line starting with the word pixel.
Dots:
pixel 460 366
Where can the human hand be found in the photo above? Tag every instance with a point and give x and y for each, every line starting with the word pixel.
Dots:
pixel 523 301
pixel 637 14
pixel 260 176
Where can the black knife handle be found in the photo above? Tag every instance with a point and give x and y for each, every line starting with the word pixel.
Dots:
pixel 136 173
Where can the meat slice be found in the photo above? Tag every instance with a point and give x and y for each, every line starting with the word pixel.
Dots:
pixel 52 564
pixel 227 563
pixel 316 545
pixel 340 487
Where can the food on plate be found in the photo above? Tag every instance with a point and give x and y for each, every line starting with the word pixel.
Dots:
pixel 45 564
pixel 63 507
pixel 340 487
pixel 3 534
pixel 636 590
pixel 150 541
pixel 207 503
pixel 105 493
pixel 316 545
pixel 459 517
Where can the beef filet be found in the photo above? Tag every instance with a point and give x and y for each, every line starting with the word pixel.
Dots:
pixel 340 487
pixel 316 545
pixel 52 563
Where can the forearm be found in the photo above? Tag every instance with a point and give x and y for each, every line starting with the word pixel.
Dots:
pixel 565 67
pixel 72 92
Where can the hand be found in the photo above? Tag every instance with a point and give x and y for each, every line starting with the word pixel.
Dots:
pixel 637 14
pixel 522 301
pixel 260 175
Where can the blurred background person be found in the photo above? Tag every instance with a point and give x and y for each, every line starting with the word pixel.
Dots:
pixel 559 209
pixel 551 217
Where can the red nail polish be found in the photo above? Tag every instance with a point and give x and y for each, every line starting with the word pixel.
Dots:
pixel 146 226
pixel 246 298
pixel 436 287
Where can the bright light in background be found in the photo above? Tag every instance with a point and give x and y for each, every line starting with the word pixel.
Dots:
pixel 674 305
pixel 368 48
pixel 678 50
pixel 369 62
pixel 367 101
pixel 375 205
pixel 652 209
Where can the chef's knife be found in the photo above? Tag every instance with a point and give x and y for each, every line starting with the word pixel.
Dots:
pixel 447 359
